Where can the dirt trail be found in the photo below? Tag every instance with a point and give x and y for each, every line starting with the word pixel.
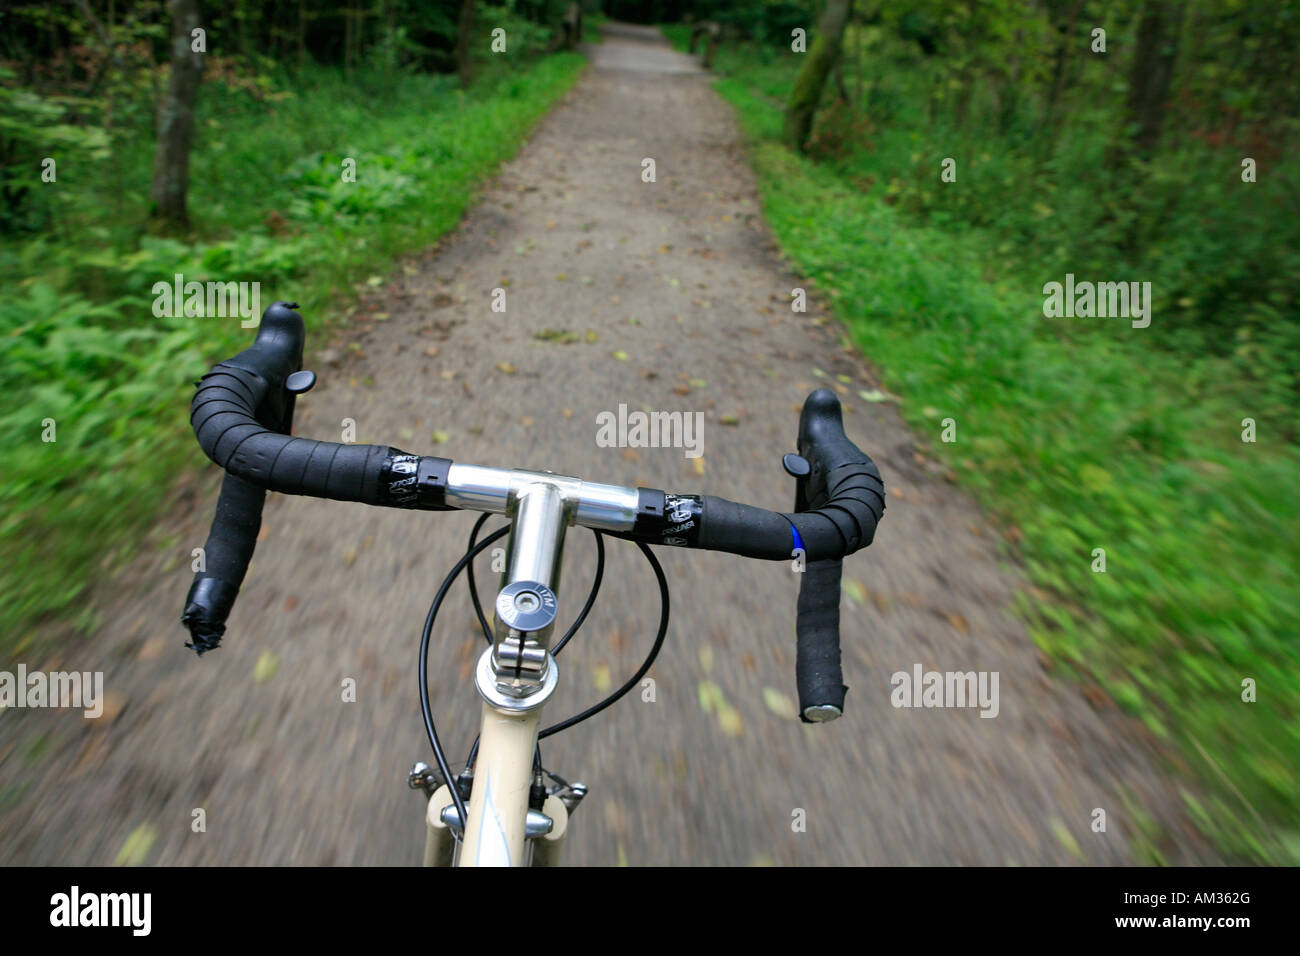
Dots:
pixel 681 277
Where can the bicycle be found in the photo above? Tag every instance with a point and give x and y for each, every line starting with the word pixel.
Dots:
pixel 500 810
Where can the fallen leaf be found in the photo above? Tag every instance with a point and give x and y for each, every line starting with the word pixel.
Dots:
pixel 854 591
pixel 1066 839
pixel 113 705
pixel 137 846
pixel 267 665
pixel 440 437
pixel 619 354
pixel 706 658
pixel 1096 696
pixel 506 367
pixel 151 649
pixel 730 722
pixel 600 678
pixel 779 704
pixel 710 695
pixel 431 351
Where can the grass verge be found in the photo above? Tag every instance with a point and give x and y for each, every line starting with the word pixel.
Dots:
pixel 83 358
pixel 1076 441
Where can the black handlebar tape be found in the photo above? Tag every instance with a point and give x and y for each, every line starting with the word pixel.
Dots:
pixel 223 416
pixel 843 499
pixel 844 524
pixel 274 355
pixel 241 414
pixel 225 560
pixel 843 496
pixel 817 671
pixel 838 505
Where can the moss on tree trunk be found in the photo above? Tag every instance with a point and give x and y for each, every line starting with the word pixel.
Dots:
pixel 818 62
pixel 171 170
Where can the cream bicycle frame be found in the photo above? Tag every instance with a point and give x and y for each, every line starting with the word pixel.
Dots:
pixel 541 506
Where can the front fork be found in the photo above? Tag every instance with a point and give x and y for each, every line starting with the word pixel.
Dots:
pixel 503 824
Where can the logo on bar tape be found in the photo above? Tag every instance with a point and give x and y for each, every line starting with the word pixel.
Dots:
pixel 681 520
pixel 398 481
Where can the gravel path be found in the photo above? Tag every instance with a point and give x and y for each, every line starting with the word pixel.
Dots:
pixel 680 286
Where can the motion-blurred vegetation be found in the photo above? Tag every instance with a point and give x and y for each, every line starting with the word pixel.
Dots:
pixel 1081 434
pixel 79 342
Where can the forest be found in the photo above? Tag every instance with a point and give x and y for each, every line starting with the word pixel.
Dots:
pixel 933 166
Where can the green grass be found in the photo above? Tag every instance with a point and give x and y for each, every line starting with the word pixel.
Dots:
pixel 1082 438
pixel 79 343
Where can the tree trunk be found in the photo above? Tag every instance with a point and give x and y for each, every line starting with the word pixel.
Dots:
pixel 711 44
pixel 572 25
pixel 302 34
pixel 171 170
pixel 1067 46
pixel 1152 71
pixel 700 30
pixel 464 50
pixel 807 91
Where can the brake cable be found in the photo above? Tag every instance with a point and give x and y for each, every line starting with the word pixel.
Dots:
pixel 645 665
pixel 425 709
pixel 466 561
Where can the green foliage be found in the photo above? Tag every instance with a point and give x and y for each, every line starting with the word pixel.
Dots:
pixel 34 128
pixel 1082 436
pixel 524 36
pixel 79 341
